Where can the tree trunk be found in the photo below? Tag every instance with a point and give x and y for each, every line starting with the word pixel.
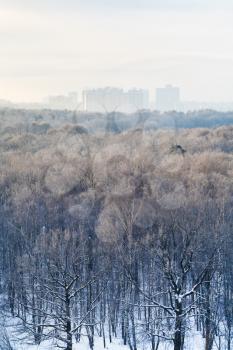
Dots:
pixel 178 340
pixel 68 324
pixel 209 336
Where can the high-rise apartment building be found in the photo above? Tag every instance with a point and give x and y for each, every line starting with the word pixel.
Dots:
pixel 167 98
pixel 114 99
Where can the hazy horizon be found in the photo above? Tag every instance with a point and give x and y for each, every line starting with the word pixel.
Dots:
pixel 50 47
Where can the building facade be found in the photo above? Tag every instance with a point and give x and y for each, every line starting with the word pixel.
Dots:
pixel 168 98
pixel 113 99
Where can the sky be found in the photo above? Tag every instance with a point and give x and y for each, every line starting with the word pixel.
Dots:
pixel 55 46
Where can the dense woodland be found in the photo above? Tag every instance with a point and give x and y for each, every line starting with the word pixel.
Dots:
pixel 126 232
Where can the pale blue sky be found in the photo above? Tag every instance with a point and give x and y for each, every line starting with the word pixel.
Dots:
pixel 50 46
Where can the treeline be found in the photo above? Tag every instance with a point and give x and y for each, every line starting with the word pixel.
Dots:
pixel 20 119
pixel 118 235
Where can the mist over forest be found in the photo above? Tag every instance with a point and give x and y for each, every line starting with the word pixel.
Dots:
pixel 23 119
pixel 116 230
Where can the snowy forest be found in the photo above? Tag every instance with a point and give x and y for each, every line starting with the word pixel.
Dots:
pixel 116 232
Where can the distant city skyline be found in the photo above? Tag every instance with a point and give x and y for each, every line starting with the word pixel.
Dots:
pixel 110 99
pixel 183 94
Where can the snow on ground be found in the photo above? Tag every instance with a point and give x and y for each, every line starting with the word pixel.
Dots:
pixel 195 343
pixel 22 341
